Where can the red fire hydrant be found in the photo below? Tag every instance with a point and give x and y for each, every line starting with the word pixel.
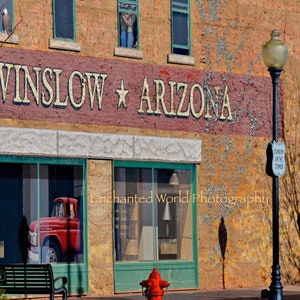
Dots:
pixel 154 286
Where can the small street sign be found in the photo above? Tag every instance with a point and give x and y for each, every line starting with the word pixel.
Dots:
pixel 278 158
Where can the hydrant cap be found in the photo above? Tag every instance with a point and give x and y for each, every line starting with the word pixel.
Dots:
pixel 154 274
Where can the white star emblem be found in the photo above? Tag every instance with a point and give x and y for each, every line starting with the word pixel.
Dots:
pixel 122 95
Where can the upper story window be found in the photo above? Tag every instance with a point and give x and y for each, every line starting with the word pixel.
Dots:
pixel 128 23
pixel 64 26
pixel 64 19
pixel 7 16
pixel 180 27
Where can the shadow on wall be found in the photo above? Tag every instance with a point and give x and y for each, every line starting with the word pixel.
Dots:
pixel 222 243
pixel 23 239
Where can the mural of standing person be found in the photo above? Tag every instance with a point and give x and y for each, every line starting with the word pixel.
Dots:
pixel 130 36
pixel 123 30
pixel 129 20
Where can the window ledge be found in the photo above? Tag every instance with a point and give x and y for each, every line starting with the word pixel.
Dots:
pixel 181 59
pixel 13 39
pixel 129 52
pixel 64 45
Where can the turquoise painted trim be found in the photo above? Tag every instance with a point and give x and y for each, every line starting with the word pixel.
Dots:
pixel 12 17
pixel 189 28
pixel 155 258
pixel 155 165
pixel 76 274
pixel 41 160
pixel 195 223
pixel 39 208
pixel 85 232
pixel 74 20
pixel 180 274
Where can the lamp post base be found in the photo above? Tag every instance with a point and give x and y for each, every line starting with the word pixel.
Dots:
pixel 275 292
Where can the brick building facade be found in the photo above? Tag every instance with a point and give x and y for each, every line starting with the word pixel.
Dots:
pixel 86 117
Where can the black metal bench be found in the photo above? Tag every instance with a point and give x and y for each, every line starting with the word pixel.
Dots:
pixel 30 279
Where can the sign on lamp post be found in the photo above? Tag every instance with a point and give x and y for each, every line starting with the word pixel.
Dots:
pixel 278 158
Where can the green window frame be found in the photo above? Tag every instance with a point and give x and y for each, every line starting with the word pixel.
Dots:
pixel 128 10
pixel 64 19
pixel 9 5
pixel 162 245
pixel 180 27
pixel 30 198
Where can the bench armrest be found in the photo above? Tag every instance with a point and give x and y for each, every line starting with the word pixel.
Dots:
pixel 63 279
pixel 2 276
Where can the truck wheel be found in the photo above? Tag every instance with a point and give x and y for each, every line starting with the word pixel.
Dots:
pixel 51 253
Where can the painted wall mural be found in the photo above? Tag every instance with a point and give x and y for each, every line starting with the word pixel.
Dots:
pixel 46 201
pixel 60 88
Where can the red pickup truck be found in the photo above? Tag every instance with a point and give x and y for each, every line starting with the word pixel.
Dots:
pixel 60 234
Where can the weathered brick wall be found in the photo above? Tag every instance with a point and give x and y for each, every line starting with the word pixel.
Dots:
pixel 232 186
pixel 33 23
pixel 227 36
pixel 233 34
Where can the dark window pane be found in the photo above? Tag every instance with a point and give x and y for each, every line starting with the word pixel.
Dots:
pixel 64 19
pixel 181 1
pixel 181 51
pixel 180 29
pixel 11 209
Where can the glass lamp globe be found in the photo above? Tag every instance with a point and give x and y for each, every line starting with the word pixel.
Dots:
pixel 275 52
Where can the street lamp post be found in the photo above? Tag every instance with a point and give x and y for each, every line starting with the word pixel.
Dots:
pixel 274 55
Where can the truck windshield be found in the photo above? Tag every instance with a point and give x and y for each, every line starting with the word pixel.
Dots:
pixel 58 210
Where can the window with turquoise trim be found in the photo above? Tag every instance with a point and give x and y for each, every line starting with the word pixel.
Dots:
pixel 180 27
pixel 153 213
pixel 64 19
pixel 7 14
pixel 128 18
pixel 41 207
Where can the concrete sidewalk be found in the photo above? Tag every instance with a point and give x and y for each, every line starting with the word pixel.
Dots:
pixel 289 293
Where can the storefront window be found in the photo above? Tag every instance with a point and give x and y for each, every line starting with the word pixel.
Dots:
pixel 153 214
pixel 41 208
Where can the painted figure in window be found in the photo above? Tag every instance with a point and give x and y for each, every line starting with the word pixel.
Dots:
pixel 6 22
pixel 123 30
pixel 127 36
pixel 72 212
